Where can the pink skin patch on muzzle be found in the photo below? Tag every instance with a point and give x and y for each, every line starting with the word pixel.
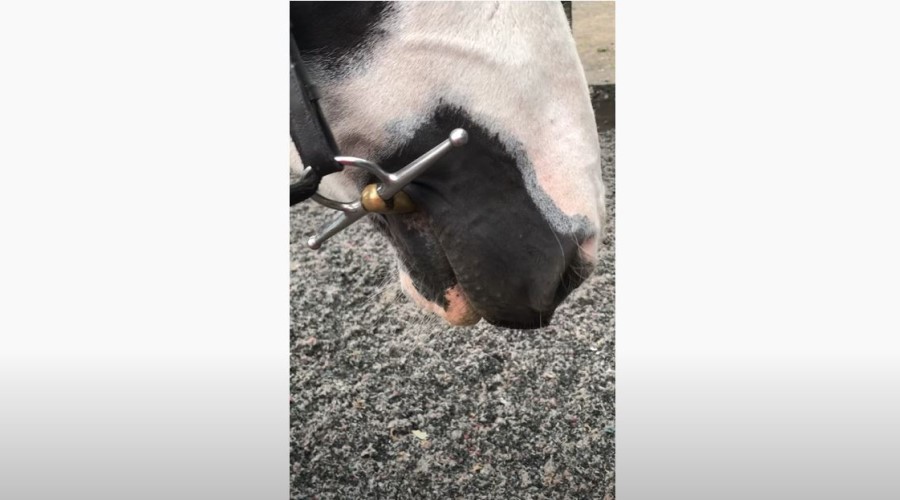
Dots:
pixel 459 311
pixel 589 250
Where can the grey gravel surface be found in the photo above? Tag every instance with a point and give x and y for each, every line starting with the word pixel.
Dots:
pixel 387 402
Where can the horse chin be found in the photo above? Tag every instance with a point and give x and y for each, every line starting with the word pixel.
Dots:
pixel 459 311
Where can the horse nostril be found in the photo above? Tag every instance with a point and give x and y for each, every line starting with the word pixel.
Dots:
pixel 548 285
pixel 589 249
pixel 576 272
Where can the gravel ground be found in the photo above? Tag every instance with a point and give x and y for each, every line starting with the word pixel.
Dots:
pixel 387 402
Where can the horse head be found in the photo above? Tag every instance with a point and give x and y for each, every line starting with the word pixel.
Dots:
pixel 508 225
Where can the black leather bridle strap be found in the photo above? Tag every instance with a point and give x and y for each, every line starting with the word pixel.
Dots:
pixel 309 131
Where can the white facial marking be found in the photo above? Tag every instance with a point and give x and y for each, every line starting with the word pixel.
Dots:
pixel 511 66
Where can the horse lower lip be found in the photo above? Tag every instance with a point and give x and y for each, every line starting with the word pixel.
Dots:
pixel 459 310
pixel 467 321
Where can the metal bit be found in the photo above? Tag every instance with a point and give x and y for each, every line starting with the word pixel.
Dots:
pixel 388 190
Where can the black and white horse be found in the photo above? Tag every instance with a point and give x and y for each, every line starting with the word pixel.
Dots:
pixel 509 224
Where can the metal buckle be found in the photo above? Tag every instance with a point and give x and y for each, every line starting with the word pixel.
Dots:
pixel 384 197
